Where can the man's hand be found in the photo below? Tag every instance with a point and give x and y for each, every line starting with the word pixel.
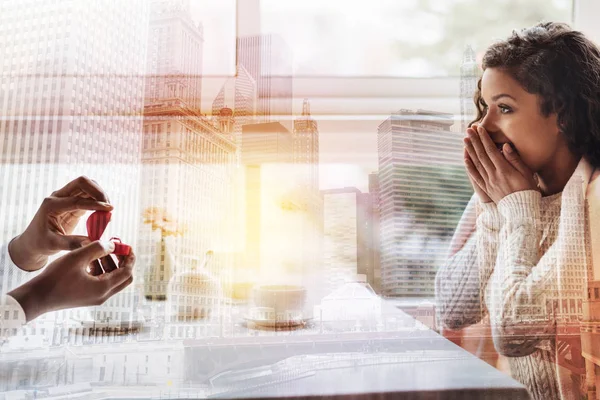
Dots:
pixel 50 230
pixel 67 281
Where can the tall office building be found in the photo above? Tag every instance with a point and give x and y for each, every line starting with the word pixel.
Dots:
pixel 71 103
pixel 306 161
pixel 188 165
pixel 375 261
pixel 423 190
pixel 238 94
pixel 469 74
pixel 306 147
pixel 268 60
pixel 347 239
pixel 233 107
pixel 174 54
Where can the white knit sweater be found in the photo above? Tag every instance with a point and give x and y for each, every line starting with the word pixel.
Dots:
pixel 523 269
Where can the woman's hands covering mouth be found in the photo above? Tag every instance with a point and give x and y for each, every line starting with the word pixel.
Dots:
pixel 495 169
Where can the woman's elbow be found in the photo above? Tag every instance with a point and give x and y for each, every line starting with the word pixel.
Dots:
pixel 456 321
pixel 510 343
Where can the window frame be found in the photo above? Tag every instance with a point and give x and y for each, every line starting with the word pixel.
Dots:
pixel 352 93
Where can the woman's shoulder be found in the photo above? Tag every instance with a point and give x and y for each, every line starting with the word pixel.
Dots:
pixel 593 187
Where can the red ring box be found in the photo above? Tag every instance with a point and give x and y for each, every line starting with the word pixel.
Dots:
pixel 96 225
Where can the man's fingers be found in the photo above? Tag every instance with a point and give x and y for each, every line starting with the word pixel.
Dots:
pixel 120 287
pixel 127 262
pixel 116 278
pixel 72 242
pixel 74 203
pixel 93 251
pixel 85 185
pixel 108 264
pixel 95 268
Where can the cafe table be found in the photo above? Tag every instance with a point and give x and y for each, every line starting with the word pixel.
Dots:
pixel 389 356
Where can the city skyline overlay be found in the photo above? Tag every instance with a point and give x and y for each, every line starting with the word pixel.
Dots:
pixel 286 224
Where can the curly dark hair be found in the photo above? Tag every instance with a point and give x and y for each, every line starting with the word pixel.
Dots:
pixel 562 66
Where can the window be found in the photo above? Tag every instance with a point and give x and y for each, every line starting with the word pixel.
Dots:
pixel 396 38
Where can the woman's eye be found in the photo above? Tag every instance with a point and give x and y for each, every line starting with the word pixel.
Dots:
pixel 504 109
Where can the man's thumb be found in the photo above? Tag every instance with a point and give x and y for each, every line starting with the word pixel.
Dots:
pixel 93 251
pixel 72 242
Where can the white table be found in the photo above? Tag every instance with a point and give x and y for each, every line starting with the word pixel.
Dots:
pixel 403 360
pixel 411 362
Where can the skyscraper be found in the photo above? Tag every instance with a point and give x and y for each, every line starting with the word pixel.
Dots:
pixel 469 74
pixel 174 54
pixel 306 147
pixel 346 247
pixel 268 60
pixel 375 260
pixel 188 165
pixel 306 161
pixel 233 107
pixel 71 103
pixel 423 190
pixel 238 93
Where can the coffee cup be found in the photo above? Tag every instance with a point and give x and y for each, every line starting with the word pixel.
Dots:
pixel 281 298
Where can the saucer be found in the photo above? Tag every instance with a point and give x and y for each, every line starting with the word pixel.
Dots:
pixel 273 323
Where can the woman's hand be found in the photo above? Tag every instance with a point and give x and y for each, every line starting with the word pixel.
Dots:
pixel 497 173
pixel 66 282
pixel 50 230
pixel 483 197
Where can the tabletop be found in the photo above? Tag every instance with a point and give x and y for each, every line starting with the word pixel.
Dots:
pixel 382 358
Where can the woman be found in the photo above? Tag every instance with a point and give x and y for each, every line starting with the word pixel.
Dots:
pixel 519 259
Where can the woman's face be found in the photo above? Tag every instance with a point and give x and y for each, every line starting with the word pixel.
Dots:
pixel 513 115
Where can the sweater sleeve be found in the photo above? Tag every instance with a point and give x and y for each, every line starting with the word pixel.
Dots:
pixel 521 282
pixel 460 282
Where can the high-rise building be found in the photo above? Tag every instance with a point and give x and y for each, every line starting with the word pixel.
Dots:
pixel 174 54
pixel 469 74
pixel 423 190
pixel 268 60
pixel 375 260
pixel 188 165
pixel 71 103
pixel 188 169
pixel 347 239
pixel 238 94
pixel 306 147
pixel 306 162
pixel 233 107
